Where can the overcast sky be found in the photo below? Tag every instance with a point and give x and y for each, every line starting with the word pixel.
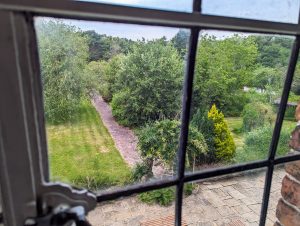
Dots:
pixel 272 10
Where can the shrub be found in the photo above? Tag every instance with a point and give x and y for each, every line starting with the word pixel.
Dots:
pixel 160 141
pixel 223 141
pixel 257 115
pixel 163 197
pixel 139 171
pixel 150 84
pixel 258 141
pixel 201 122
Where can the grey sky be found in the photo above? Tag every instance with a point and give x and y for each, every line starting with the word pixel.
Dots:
pixel 272 10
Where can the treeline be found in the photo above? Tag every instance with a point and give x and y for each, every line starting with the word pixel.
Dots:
pixel 142 80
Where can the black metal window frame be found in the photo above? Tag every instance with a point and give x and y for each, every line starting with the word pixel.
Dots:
pixel 195 21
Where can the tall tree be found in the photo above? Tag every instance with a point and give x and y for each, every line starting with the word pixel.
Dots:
pixel 63 54
pixel 180 41
pixel 223 67
pixel 150 84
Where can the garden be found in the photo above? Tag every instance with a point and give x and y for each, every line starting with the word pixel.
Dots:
pixel 237 82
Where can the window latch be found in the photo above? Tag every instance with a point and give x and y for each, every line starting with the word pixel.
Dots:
pixel 62 205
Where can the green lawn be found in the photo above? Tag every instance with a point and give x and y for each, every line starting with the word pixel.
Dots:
pixel 235 125
pixel 83 153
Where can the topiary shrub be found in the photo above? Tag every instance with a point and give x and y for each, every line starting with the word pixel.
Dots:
pixel 159 141
pixel 257 115
pixel 223 141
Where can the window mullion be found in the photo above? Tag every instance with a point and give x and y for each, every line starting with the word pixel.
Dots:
pixel 185 117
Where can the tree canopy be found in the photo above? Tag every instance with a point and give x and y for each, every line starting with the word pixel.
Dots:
pixel 63 54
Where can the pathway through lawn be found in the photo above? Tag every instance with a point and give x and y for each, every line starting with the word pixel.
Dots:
pixel 124 138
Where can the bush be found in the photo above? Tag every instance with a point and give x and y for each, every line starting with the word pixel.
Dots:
pixel 163 197
pixel 160 141
pixel 258 141
pixel 139 171
pixel 206 127
pixel 223 141
pixel 257 115
pixel 150 84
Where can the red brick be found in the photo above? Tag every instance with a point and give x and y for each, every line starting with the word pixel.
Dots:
pixel 287 215
pixel 293 168
pixel 290 191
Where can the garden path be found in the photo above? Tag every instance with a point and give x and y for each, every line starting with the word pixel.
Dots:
pixel 234 201
pixel 124 138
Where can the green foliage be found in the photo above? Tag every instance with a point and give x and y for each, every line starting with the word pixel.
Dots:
pixel 93 74
pixel 201 122
pixel 223 141
pixel 63 54
pixel 273 51
pixel 103 47
pixel 223 67
pixel 257 115
pixel 163 197
pixel 257 142
pixel 151 79
pixel 160 141
pixel 141 170
pixel 180 41
pixel 110 83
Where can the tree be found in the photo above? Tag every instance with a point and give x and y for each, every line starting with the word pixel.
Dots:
pixel 150 84
pixel 180 41
pixel 223 67
pixel 103 47
pixel 63 54
pixel 274 51
pixel 160 141
pixel 223 141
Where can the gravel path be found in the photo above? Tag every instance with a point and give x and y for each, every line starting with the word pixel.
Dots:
pixel 124 138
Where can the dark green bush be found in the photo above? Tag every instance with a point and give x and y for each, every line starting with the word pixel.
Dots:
pixel 206 127
pixel 257 115
pixel 160 141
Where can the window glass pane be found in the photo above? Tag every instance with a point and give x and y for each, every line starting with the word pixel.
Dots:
pixel 228 200
pixel 270 10
pixel 178 5
pixel 238 79
pixel 149 208
pixel 112 98
pixel 289 142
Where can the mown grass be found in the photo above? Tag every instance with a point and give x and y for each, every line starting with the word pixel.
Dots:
pixel 83 153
